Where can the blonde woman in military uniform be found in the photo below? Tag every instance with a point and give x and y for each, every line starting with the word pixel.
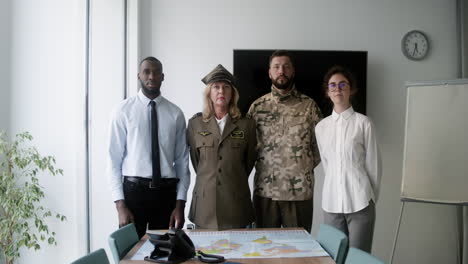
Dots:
pixel 223 153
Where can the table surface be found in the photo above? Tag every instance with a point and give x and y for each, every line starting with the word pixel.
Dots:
pixel 309 260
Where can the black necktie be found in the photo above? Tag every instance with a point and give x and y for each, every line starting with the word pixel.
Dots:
pixel 155 145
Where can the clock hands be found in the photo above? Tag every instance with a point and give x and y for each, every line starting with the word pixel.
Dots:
pixel 415 48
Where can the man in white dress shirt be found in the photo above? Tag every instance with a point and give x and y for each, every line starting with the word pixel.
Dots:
pixel 139 198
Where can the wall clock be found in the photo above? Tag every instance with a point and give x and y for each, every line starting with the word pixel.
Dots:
pixel 415 45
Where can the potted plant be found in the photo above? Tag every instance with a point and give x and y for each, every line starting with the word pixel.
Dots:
pixel 22 216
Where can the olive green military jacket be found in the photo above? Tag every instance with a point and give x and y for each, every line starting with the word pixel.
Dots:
pixel 221 196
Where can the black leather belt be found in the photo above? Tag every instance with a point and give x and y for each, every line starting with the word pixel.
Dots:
pixel 138 180
pixel 165 183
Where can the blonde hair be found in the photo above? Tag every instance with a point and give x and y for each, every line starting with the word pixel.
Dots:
pixel 208 110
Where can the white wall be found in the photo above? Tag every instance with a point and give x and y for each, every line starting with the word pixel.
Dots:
pixel 106 90
pixel 5 35
pixel 191 37
pixel 46 98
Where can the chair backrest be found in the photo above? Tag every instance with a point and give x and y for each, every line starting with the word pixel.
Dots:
pixel 357 256
pixel 96 257
pixel 122 240
pixel 334 241
pixel 2 256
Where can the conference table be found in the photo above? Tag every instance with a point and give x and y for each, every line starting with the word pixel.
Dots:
pixel 281 260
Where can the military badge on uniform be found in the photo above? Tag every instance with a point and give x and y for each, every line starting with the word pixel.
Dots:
pixel 239 134
pixel 204 133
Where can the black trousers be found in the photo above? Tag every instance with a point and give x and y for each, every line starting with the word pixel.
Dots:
pixel 150 207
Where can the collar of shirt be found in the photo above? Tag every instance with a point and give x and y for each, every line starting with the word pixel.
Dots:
pixel 278 97
pixel 145 100
pixel 345 114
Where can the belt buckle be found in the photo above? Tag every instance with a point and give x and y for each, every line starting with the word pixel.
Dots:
pixel 151 186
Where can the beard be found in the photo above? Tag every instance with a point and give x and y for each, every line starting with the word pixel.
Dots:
pixel 284 85
pixel 150 91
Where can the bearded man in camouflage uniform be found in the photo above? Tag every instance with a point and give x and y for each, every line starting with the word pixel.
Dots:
pixel 288 153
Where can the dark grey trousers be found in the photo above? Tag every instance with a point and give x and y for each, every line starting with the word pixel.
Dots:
pixel 358 226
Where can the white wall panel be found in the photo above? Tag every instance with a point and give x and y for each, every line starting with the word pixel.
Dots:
pixel 46 99
pixel 5 39
pixel 105 92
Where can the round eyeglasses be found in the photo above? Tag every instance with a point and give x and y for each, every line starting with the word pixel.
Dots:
pixel 333 87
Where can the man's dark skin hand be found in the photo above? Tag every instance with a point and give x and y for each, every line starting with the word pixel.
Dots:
pixel 125 216
pixel 177 217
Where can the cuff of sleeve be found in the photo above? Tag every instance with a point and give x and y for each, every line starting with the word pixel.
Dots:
pixel 181 192
pixel 117 195
pixel 375 196
pixel 181 196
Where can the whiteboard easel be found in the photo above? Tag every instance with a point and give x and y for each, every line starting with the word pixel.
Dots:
pixel 435 162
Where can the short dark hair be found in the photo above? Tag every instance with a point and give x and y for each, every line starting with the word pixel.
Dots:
pixel 281 53
pixel 338 69
pixel 151 59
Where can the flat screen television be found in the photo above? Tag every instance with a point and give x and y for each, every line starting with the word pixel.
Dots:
pixel 251 72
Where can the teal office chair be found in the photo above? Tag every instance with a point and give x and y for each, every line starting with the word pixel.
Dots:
pixel 96 257
pixel 122 240
pixel 357 256
pixel 333 241
pixel 2 256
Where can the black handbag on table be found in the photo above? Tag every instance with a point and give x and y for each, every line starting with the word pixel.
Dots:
pixel 177 246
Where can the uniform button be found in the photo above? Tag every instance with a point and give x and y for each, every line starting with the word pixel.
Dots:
pixel 219 183
pixel 220 158
pixel 203 143
pixel 219 170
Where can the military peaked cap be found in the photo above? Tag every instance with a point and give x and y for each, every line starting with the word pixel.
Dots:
pixel 218 74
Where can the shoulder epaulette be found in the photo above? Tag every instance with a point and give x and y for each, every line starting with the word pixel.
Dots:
pixel 196 115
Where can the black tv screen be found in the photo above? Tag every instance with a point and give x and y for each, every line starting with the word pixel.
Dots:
pixel 251 72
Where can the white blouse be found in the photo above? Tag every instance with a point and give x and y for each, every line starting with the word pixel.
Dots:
pixel 351 160
pixel 221 123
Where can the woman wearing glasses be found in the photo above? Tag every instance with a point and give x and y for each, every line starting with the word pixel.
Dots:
pixel 350 157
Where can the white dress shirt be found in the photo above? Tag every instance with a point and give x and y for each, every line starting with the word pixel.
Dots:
pixel 351 160
pixel 130 143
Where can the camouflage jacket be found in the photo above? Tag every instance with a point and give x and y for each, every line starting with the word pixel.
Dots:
pixel 287 148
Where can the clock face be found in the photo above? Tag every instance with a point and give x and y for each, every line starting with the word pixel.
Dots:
pixel 415 45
